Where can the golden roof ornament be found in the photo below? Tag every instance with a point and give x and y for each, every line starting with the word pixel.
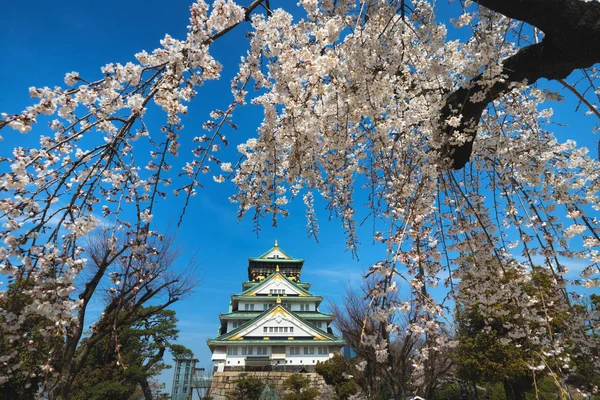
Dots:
pixel 276 244
pixel 277 268
pixel 278 301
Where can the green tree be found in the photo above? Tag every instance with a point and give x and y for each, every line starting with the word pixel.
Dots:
pixel 125 362
pixel 486 353
pixel 585 374
pixel 299 385
pixel 26 381
pixel 247 387
pixel 336 372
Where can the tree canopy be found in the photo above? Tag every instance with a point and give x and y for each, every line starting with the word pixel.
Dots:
pixel 449 139
pixel 128 361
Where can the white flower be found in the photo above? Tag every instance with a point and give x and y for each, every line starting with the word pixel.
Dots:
pixel 20 126
pixel 454 121
pixel 575 229
pixel 71 78
pixel 146 216
pixel 219 179
pixel 136 103
pixel 226 167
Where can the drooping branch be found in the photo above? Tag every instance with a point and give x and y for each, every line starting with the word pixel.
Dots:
pixel 571 36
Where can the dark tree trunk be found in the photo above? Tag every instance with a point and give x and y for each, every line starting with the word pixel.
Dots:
pixel 571 36
pixel 515 389
pixel 146 388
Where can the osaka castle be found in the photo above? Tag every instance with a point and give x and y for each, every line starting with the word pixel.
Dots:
pixel 274 323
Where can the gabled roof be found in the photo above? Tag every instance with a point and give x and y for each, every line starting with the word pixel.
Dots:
pixel 274 277
pixel 287 299
pixel 276 312
pixel 276 254
pixel 217 342
pixel 311 315
pixel 249 284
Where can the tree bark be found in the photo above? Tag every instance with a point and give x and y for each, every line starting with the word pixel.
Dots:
pixel 571 41
pixel 514 389
pixel 146 389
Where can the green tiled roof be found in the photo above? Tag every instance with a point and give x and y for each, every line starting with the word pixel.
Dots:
pixel 262 341
pixel 223 337
pixel 247 285
pixel 263 257
pixel 274 297
pixel 238 315
pixel 301 314
pixel 270 277
pixel 277 260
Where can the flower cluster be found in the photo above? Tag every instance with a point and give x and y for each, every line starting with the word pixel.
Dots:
pixel 354 96
pixel 86 175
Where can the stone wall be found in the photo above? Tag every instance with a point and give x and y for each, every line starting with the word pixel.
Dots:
pixel 224 382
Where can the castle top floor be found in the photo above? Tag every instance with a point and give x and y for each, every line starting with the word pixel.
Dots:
pixel 274 259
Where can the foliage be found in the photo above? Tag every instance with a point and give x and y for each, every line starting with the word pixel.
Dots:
pixel 296 382
pixel 120 364
pixel 336 372
pixel 373 95
pixel 247 387
pixel 459 390
pixel 299 384
pixel 489 350
pixel 585 374
pixel 26 379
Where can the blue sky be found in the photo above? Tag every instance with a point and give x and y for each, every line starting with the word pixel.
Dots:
pixel 41 41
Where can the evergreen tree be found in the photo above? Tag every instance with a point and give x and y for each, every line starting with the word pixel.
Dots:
pixel 299 385
pixel 503 344
pixel 336 372
pixel 26 380
pixel 127 360
pixel 247 387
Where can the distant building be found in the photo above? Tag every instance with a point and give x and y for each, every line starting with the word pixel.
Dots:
pixel 187 378
pixel 348 352
pixel 182 378
pixel 274 324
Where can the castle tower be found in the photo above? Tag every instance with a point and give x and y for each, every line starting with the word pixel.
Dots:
pixel 274 324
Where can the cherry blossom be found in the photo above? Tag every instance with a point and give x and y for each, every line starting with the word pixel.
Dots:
pixel 356 96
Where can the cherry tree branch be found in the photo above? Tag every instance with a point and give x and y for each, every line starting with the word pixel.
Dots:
pixel 572 34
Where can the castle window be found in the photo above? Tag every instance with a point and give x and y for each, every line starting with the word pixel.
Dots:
pixel 261 351
pixel 232 351
pixel 294 351
pixel 309 350
pixel 323 350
